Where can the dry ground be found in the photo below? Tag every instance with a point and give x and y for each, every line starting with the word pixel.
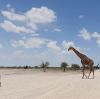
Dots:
pixel 31 84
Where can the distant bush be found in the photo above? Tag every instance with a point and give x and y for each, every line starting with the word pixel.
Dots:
pixel 36 67
pixel 75 67
pixel 97 66
pixel 64 66
pixel 44 65
pixel 26 67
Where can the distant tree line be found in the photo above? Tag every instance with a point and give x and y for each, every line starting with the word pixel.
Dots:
pixel 64 66
pixel 17 67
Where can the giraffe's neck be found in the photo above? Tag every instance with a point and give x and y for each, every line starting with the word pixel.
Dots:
pixel 80 55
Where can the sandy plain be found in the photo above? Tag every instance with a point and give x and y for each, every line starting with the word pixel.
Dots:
pixel 53 84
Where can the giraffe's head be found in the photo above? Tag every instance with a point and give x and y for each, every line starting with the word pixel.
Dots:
pixel 70 48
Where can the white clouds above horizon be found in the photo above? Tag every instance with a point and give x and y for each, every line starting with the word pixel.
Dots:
pixel 34 15
pixel 85 34
pixel 40 15
pixel 33 42
pixel 28 22
pixel 53 45
pixel 36 42
pixel 21 57
pixel 30 19
pixel 52 52
pixel 96 35
pixel 68 44
pixel 88 36
pixel 10 27
pixel 13 16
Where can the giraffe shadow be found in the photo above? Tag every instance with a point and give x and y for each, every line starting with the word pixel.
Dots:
pixel 88 78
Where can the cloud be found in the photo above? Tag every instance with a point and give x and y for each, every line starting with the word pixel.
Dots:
pixel 34 42
pixel 57 30
pixel 13 16
pixel 68 44
pixel 10 27
pixel 85 34
pixel 81 16
pixel 53 45
pixel 34 15
pixel 88 36
pixel 30 19
pixel 37 42
pixel 28 22
pixel 96 35
pixel 98 42
pixel 40 15
pixel 24 57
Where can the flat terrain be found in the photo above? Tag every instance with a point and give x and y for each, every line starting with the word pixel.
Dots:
pixel 35 84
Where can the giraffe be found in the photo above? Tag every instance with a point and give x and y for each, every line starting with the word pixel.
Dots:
pixel 85 61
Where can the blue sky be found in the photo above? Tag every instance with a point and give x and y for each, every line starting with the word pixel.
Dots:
pixel 32 31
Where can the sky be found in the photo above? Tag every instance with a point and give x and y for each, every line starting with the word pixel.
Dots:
pixel 32 31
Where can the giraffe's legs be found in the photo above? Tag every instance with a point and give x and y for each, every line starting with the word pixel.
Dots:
pixel 83 73
pixel 89 73
pixel 91 70
pixel 83 70
pixel 93 73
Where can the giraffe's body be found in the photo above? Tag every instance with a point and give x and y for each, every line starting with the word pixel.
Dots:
pixel 86 62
